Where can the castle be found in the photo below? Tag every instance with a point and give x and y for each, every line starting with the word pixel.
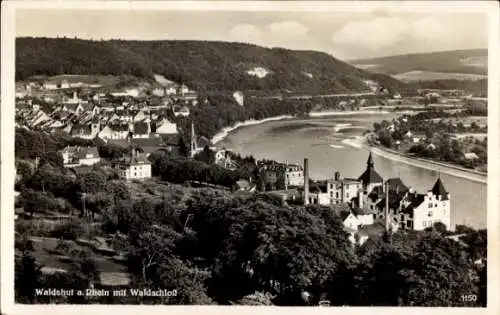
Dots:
pixel 372 200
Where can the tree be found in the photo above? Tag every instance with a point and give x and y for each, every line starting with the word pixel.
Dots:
pixel 271 248
pixel 207 155
pixel 53 158
pixel 27 278
pixel 385 138
pixel 183 147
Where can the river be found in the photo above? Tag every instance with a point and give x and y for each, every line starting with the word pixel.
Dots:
pixel 325 141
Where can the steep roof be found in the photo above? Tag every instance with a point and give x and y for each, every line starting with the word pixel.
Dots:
pixel 119 127
pixel 396 184
pixel 77 128
pixel 370 175
pixel 140 128
pixel 394 200
pixel 439 189
pixel 415 201
pixel 341 209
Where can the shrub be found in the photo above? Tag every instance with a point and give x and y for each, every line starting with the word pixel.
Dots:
pixel 68 231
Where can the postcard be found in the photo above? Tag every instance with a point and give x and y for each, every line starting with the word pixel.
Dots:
pixel 219 156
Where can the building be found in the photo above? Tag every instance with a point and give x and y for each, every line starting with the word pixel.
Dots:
pixel 223 159
pixel 86 130
pixel 149 145
pixel 421 211
pixel 137 166
pixel 370 178
pixel 342 190
pixel 182 111
pixel 141 129
pixel 166 127
pixel 78 156
pixel 280 176
pixel 197 144
pixel 114 131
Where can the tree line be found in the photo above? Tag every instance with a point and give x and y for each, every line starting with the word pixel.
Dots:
pixel 202 65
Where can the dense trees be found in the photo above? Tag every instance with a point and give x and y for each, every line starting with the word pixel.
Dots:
pixel 204 66
pixel 213 247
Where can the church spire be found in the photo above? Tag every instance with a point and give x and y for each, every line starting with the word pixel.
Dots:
pixel 370 163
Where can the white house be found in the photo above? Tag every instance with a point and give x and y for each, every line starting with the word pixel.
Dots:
pixel 137 166
pixel 294 175
pixel 114 132
pixel 77 156
pixel 166 127
pixel 420 211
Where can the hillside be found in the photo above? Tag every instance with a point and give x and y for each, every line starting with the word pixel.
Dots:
pixel 202 65
pixel 472 61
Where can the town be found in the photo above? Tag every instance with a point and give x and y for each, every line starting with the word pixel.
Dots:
pixel 84 158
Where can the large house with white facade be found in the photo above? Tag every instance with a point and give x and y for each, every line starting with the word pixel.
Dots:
pixel 137 166
pixel 372 199
pixel 78 156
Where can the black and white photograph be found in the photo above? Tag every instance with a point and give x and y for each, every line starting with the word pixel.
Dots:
pixel 260 154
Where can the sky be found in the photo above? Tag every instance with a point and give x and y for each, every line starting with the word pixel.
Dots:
pixel 345 35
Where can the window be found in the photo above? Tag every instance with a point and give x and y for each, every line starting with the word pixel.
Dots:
pixel 435 205
pixel 402 217
pixel 347 195
pixel 429 214
pixel 430 205
pixel 337 195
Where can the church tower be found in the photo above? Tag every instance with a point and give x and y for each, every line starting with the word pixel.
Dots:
pixel 370 178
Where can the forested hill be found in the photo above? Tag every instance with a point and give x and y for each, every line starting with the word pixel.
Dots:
pixel 469 61
pixel 202 65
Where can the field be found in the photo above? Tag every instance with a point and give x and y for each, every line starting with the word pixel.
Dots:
pixel 431 76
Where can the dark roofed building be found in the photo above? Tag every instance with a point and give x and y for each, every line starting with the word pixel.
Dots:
pixel 396 184
pixel 370 177
pixel 141 128
pixel 149 145
pixel 439 190
pixel 413 201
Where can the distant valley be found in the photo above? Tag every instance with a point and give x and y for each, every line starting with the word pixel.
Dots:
pixel 447 65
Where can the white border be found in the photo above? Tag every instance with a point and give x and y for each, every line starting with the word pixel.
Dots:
pixel 7 143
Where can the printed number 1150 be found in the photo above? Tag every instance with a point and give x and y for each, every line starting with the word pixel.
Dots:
pixel 468 298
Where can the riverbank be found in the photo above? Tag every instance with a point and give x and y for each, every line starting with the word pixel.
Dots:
pixel 225 131
pixel 361 142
